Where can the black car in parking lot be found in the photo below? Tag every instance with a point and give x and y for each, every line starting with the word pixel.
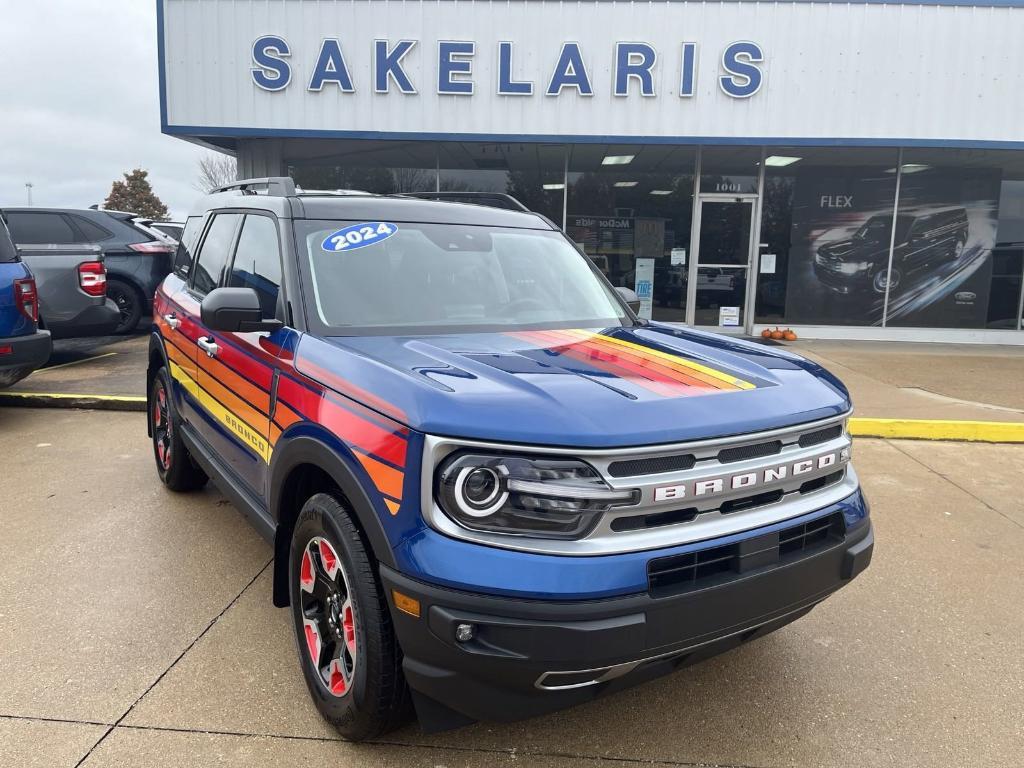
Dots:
pixel 922 238
pixel 136 257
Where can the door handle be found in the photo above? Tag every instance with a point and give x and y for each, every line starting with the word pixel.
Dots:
pixel 172 321
pixel 208 346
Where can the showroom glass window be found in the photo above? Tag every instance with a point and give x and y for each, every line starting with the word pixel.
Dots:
pixel 827 218
pixel 958 265
pixel 630 209
pixel 378 167
pixel 534 174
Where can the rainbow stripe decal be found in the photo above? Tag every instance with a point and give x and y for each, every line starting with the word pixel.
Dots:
pixel 234 388
pixel 662 373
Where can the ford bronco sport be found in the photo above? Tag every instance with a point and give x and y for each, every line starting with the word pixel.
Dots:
pixel 491 489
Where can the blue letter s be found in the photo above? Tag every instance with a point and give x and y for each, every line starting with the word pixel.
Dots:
pixel 743 78
pixel 271 72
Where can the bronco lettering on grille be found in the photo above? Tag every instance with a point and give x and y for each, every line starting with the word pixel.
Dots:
pixel 774 474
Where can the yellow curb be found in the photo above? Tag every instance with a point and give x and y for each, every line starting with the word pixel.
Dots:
pixel 937 429
pixel 73 400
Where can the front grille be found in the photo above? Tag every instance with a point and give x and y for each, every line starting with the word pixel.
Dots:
pixel 754 451
pixel 651 466
pixel 704 568
pixel 820 436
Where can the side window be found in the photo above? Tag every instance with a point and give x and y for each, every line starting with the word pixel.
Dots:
pixel 258 261
pixel 213 254
pixel 187 246
pixel 92 233
pixel 38 228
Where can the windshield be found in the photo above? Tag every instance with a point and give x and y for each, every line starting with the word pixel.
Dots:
pixel 387 277
pixel 878 228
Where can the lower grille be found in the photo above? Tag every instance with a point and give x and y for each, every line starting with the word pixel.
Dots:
pixel 704 568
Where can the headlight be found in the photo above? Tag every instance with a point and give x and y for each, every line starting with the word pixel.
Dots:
pixel 854 267
pixel 543 497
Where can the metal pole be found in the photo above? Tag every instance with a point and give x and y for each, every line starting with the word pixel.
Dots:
pixel 565 187
pixel 691 283
pixel 754 259
pixel 892 234
pixel 28 192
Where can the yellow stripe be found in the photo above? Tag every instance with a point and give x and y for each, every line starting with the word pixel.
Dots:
pixel 937 429
pixel 712 372
pixel 70 396
pixel 246 433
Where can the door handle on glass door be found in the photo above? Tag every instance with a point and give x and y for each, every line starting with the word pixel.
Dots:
pixel 172 321
pixel 208 346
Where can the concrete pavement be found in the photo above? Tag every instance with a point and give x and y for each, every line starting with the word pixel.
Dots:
pixel 136 629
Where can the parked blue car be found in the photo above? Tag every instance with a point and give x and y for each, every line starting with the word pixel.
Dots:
pixel 492 490
pixel 23 347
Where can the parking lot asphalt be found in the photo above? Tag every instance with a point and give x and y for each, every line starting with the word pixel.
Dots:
pixel 136 629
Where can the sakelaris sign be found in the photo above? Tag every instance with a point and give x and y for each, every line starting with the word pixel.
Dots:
pixel 275 64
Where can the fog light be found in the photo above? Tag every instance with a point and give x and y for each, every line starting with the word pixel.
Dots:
pixel 464 633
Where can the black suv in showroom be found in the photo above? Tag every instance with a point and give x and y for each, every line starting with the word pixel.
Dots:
pixel 923 238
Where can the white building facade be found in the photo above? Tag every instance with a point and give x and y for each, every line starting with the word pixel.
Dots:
pixel 846 170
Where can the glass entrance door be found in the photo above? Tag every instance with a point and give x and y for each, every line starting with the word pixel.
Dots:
pixel 717 291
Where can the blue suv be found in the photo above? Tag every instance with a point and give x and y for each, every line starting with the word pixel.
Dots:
pixel 492 490
pixel 23 347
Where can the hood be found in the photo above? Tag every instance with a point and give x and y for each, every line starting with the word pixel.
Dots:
pixel 581 388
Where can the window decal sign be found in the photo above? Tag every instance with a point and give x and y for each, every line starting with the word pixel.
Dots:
pixel 358 236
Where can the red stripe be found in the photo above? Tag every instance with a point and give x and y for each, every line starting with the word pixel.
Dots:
pixel 608 363
pixel 650 363
pixel 345 387
pixel 345 424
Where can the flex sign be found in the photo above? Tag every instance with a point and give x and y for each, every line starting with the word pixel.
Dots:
pixel 276 65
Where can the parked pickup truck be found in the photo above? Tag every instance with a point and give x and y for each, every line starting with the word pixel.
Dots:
pixel 72 281
pixel 491 489
pixel 136 256
pixel 23 347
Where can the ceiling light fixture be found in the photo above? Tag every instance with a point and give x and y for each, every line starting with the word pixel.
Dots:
pixel 661 191
pixel 617 159
pixel 626 183
pixel 780 161
pixel 554 186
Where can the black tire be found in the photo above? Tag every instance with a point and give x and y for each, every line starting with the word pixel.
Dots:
pixel 362 691
pixel 176 468
pixel 129 303
pixel 881 277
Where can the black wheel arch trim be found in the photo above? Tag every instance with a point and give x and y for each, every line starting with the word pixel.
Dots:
pixel 289 453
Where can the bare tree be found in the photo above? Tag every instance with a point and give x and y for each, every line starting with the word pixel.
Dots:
pixel 215 170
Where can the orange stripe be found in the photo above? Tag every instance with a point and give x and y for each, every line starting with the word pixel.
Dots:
pixel 392 506
pixel 176 355
pixel 238 407
pixel 387 479
pixel 601 360
pixel 285 416
pixel 275 434
pixel 678 373
pixel 237 384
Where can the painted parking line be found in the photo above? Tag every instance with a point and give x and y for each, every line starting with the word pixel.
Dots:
pixel 939 429
pixel 74 362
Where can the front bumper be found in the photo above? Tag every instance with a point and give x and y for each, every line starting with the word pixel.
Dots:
pixel 529 657
pixel 27 353
pixel 841 282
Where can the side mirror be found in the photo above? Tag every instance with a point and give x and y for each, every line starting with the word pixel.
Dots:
pixel 235 310
pixel 629 296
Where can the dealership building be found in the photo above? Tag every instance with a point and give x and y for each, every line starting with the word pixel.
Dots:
pixel 850 170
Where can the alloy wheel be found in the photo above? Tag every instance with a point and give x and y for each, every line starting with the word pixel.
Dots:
pixel 328 615
pixel 161 425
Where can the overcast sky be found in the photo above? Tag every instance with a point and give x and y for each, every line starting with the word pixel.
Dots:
pixel 79 104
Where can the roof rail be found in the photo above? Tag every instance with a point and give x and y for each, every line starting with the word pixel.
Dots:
pixel 276 186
